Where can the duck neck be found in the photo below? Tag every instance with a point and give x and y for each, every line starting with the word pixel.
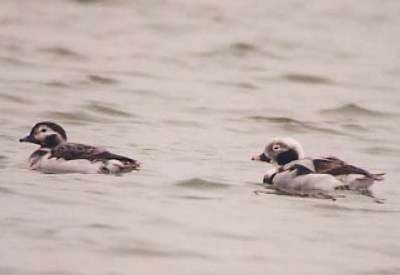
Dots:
pixel 286 157
pixel 51 141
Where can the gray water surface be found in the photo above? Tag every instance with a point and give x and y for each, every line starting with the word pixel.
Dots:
pixel 193 89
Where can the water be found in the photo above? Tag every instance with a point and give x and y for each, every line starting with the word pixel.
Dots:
pixel 193 90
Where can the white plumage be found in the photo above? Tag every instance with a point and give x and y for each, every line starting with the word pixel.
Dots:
pixel 297 175
pixel 56 155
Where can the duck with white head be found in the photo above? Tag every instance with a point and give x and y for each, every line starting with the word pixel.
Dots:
pixel 295 171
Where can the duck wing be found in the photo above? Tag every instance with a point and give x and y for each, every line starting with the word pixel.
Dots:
pixel 72 151
pixel 337 167
pixel 302 166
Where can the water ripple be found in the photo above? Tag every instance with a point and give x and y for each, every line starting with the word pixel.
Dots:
pixel 62 52
pixel 307 78
pixel 183 123
pixel 3 160
pixel 354 110
pixel 290 124
pixel 234 236
pixel 57 84
pixel 104 109
pixel 242 85
pixel 103 226
pixel 351 209
pixel 78 117
pixel 240 49
pixel 16 62
pixel 152 252
pixel 382 150
pixel 5 190
pixel 198 183
pixel 15 99
pixel 101 79
pixel 196 198
pixel 355 127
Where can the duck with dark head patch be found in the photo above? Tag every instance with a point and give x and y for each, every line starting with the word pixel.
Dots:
pixel 56 155
pixel 293 170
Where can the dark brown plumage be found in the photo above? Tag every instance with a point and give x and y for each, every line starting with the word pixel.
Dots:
pixel 337 167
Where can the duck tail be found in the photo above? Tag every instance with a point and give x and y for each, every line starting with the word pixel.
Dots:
pixel 128 165
pixel 114 166
pixel 378 176
pixel 132 165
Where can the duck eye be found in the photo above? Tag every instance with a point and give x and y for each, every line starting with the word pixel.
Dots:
pixel 43 130
pixel 276 147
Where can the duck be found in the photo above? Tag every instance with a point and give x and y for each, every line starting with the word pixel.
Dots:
pixel 295 173
pixel 56 155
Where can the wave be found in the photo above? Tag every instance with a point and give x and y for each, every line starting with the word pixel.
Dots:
pixel 198 183
pixel 290 124
pixel 101 79
pixel 15 99
pixel 239 49
pixel 352 109
pixel 62 52
pixel 103 109
pixel 77 117
pixel 307 78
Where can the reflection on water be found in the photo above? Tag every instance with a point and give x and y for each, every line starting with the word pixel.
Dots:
pixel 193 89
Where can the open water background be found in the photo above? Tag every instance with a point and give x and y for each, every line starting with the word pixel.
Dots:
pixel 193 89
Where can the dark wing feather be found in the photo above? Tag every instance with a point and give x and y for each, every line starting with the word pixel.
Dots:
pixel 71 151
pixel 107 155
pixel 337 167
pixel 302 170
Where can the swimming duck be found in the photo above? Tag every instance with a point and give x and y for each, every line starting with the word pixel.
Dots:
pixel 294 171
pixel 56 155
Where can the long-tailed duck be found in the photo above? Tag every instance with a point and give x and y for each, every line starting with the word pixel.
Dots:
pixel 294 172
pixel 56 155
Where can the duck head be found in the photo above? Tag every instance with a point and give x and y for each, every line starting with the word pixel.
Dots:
pixel 46 134
pixel 281 151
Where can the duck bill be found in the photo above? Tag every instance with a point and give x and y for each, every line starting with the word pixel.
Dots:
pixel 262 157
pixel 28 138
